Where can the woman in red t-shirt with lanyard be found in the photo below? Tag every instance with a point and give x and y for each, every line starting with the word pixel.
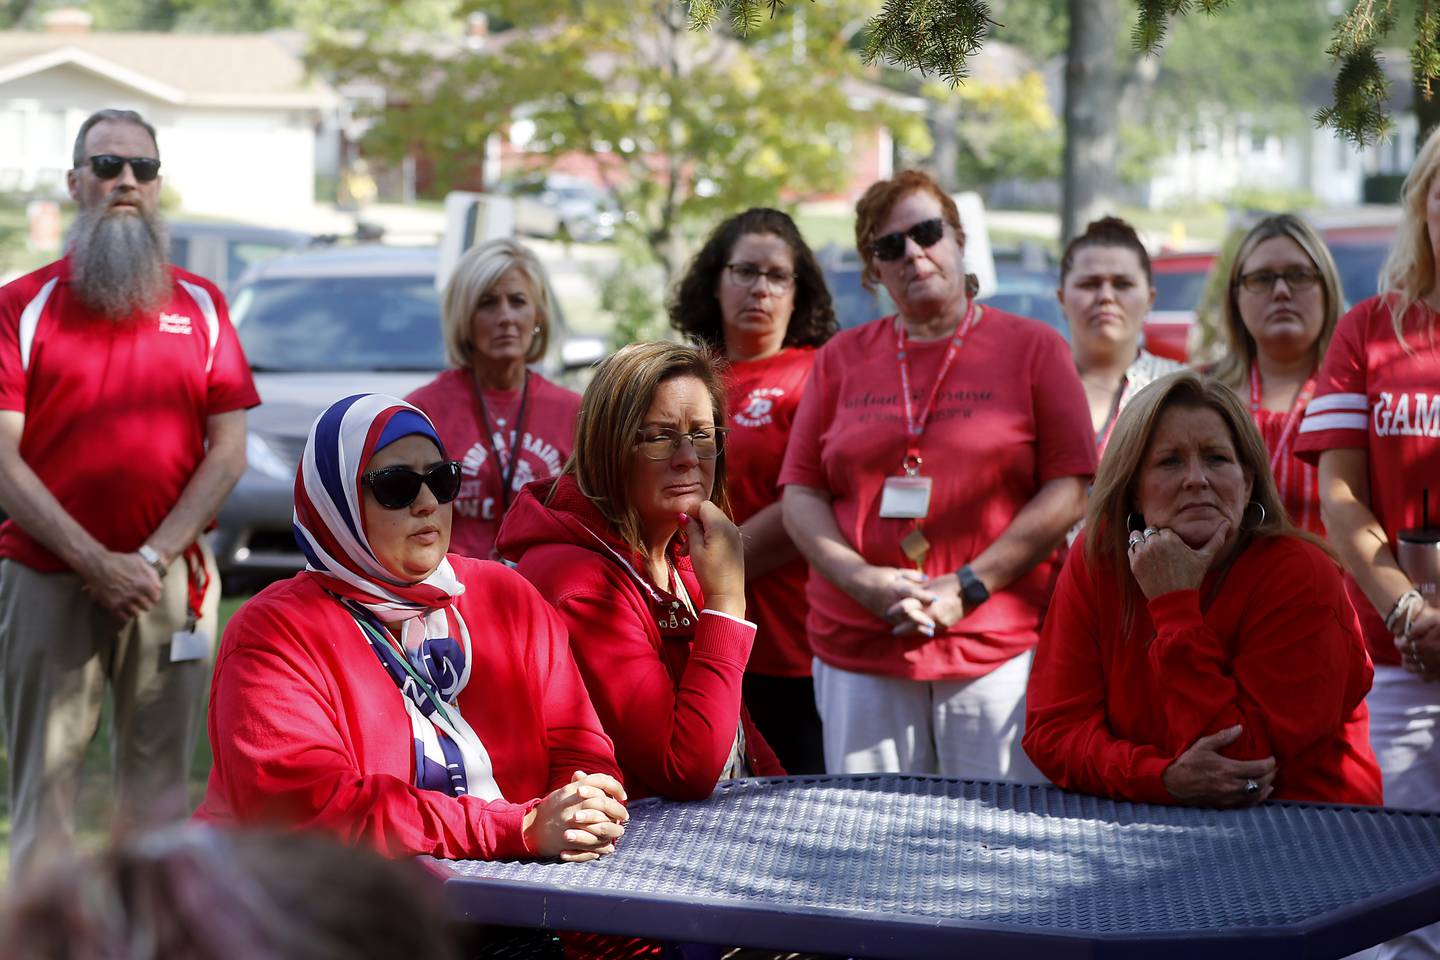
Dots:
pixel 936 462
pixel 755 294
pixel 506 423
pixel 1282 300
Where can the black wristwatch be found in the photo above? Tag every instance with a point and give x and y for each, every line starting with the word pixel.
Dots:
pixel 972 591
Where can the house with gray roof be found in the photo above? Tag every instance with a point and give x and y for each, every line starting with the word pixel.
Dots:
pixel 240 124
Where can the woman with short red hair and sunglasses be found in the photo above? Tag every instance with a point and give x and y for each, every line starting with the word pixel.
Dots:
pixel 935 464
pixel 396 695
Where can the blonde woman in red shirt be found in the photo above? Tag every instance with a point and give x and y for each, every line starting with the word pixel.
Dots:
pixel 506 423
pixel 1200 649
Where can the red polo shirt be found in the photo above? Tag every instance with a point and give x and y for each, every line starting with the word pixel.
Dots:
pixel 115 411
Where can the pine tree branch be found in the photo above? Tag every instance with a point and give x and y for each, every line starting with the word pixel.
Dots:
pixel 930 37
pixel 937 38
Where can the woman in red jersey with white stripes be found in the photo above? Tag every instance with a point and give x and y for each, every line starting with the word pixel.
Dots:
pixel 1374 430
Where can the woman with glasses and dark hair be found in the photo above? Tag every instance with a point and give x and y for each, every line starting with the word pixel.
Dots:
pixel 1281 303
pixel 1106 291
pixel 937 460
pixel 633 547
pixel 1199 648
pixel 755 295
pixel 507 424
pixel 396 696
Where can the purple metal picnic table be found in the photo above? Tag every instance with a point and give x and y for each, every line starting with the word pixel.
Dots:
pixel 889 865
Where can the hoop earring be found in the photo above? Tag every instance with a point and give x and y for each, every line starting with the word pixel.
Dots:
pixel 1130 523
pixel 1258 523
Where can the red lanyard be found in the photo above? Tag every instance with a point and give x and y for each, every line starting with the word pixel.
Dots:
pixel 198 581
pixel 1103 437
pixel 1292 421
pixel 915 426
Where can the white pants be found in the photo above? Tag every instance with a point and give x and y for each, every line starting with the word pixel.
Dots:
pixel 1405 732
pixel 969 729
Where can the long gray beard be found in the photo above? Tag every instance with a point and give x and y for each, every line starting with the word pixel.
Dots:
pixel 118 262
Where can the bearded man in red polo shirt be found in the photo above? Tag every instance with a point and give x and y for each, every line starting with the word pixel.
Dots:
pixel 123 392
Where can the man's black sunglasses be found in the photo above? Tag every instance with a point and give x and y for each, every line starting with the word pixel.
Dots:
pixel 107 166
pixel 892 245
pixel 395 488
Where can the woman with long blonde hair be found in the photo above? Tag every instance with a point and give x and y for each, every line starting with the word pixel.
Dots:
pixel 1374 429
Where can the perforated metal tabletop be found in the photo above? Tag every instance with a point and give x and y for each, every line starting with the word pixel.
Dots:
pixel 910 866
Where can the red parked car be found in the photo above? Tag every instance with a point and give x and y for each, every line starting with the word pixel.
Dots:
pixel 1179 282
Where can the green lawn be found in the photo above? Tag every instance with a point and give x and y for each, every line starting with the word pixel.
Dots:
pixel 95 785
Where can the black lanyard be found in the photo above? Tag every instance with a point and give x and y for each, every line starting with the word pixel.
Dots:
pixel 506 471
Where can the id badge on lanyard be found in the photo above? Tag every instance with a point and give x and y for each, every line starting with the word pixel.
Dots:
pixel 906 497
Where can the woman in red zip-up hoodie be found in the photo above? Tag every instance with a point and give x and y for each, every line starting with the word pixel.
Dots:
pixel 396 695
pixel 633 547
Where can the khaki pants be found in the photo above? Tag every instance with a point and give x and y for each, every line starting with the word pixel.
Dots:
pixel 58 652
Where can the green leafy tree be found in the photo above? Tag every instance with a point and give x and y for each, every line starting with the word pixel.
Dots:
pixel 685 126
pixel 1005 130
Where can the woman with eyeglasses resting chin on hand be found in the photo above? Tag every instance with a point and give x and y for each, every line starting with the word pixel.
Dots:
pixel 633 546
pixel 396 696
pixel 937 460
pixel 1280 310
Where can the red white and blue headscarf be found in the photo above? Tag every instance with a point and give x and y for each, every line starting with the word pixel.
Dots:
pixel 330 529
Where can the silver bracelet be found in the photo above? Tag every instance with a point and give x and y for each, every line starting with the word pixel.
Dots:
pixel 1402 608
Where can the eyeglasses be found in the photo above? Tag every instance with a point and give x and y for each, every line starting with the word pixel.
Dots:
pixel 747 275
pixel 107 166
pixel 892 246
pixel 395 488
pixel 659 444
pixel 1263 281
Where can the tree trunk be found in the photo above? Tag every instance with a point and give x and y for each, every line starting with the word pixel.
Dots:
pixel 944 118
pixel 1092 107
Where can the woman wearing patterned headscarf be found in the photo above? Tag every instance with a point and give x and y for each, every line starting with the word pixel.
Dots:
pixel 395 695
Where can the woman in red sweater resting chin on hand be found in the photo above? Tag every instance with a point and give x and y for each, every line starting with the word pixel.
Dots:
pixel 633 547
pixel 396 696
pixel 1200 649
